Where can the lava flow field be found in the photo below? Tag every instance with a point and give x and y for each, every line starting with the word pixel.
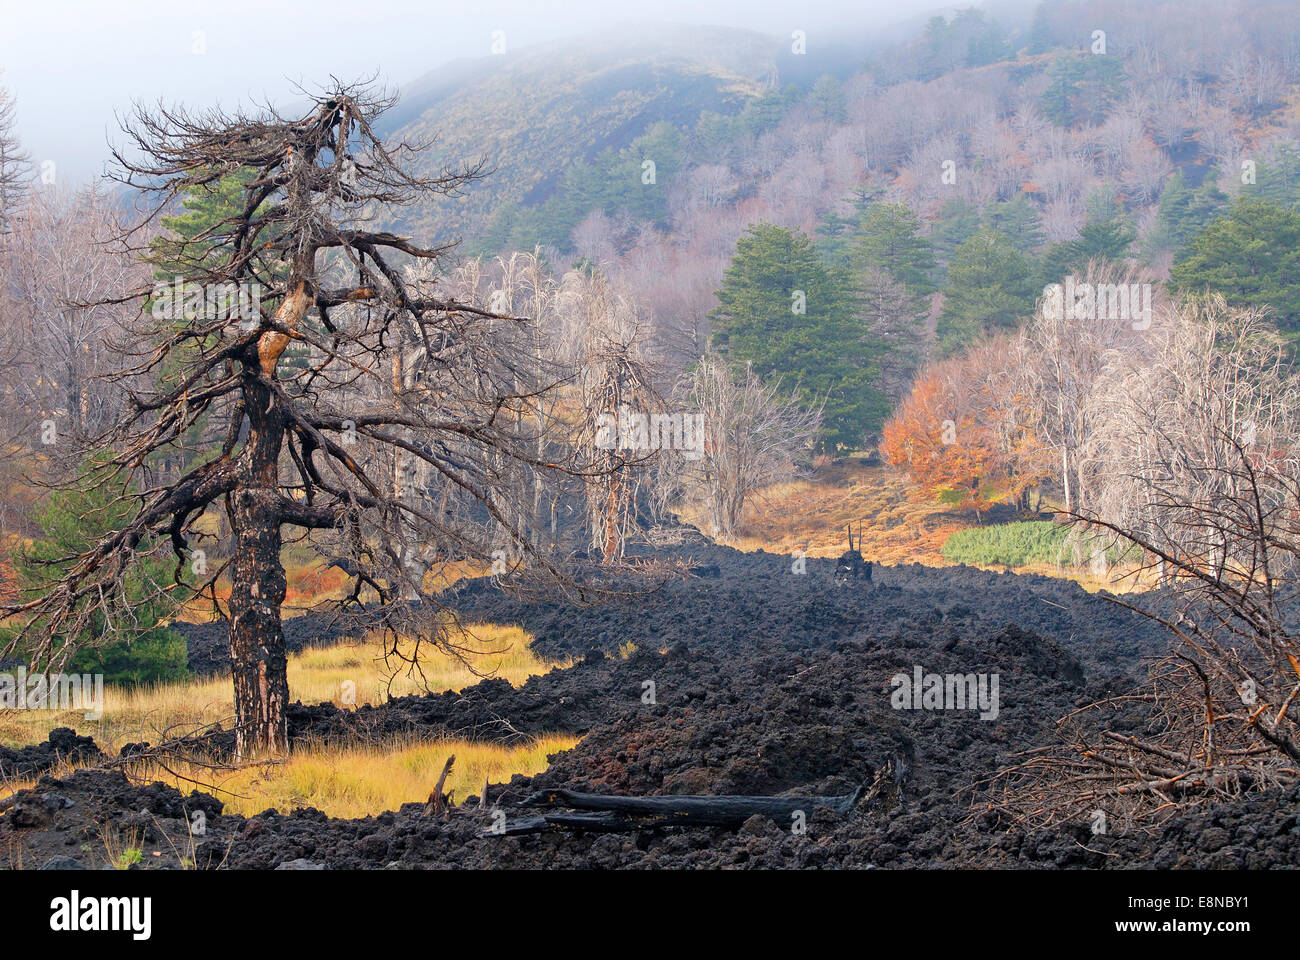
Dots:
pixel 744 678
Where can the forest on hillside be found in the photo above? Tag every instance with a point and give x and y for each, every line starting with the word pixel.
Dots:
pixel 924 202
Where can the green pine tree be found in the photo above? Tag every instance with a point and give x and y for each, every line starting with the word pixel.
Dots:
pixel 827 96
pixel 71 521
pixel 1018 220
pixel 1251 256
pixel 783 310
pixel 990 287
pixel 958 221
pixel 1082 88
pixel 1277 179
pixel 1184 212
pixel 1041 35
pixel 1107 234
pixel 891 240
pixel 197 234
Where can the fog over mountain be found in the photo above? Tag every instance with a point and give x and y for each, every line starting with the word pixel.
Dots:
pixel 73 65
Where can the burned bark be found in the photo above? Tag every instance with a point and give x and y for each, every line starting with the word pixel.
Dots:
pixel 257 651
pixel 851 565
pixel 608 813
pixel 440 802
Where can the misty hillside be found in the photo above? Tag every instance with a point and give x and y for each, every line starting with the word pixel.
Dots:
pixel 535 113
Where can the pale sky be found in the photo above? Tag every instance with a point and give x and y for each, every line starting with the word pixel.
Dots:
pixel 72 64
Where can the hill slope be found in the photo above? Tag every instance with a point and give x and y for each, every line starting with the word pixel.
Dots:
pixel 535 113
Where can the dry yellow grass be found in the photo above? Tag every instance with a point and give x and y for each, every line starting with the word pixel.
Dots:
pixel 356 781
pixel 153 712
pixel 367 780
pixel 811 514
pixel 897 525
pixel 343 781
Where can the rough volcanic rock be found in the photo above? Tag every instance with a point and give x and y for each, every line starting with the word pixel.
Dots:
pixel 62 744
pixel 752 680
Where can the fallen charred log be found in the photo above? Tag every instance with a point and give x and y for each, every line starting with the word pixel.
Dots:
pixel 592 821
pixel 608 813
pixel 713 811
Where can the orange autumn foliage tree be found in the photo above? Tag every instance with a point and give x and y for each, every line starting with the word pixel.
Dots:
pixel 959 436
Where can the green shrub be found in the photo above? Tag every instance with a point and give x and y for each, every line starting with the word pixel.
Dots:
pixel 159 655
pixel 1010 544
pixel 73 519
pixel 1024 542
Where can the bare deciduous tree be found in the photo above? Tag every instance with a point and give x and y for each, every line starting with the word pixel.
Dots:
pixel 895 320
pixel 1061 354
pixel 604 336
pixel 62 265
pixel 754 435
pixel 1204 480
pixel 1165 419
pixel 13 165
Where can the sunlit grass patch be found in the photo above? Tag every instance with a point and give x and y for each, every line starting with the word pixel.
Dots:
pixel 897 526
pixel 358 781
pixel 346 781
pixel 810 514
pixel 316 674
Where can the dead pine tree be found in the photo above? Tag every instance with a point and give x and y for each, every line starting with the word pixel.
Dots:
pixel 304 415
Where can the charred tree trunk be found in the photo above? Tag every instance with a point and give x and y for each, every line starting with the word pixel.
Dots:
pixel 257 651
pixel 612 519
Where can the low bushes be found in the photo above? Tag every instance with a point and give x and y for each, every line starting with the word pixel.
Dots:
pixel 1028 542
pixel 1011 544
